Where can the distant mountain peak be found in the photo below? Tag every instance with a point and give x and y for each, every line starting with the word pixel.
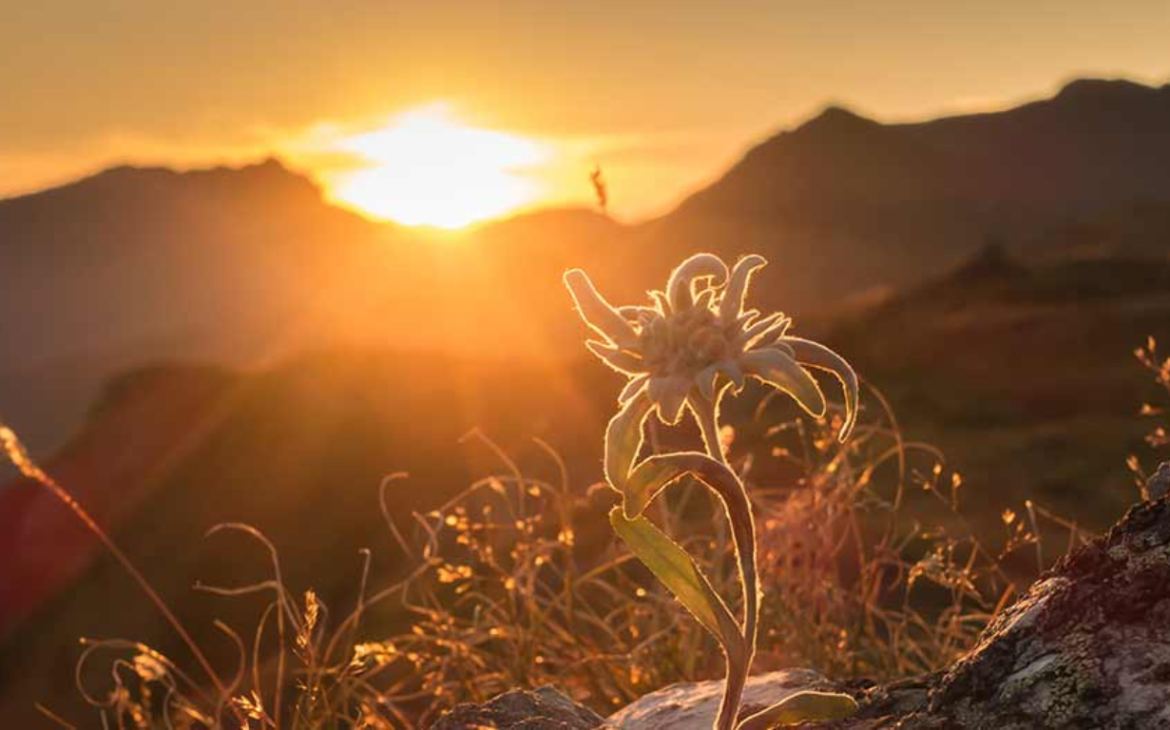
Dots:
pixel 836 119
pixel 1097 89
pixel 267 179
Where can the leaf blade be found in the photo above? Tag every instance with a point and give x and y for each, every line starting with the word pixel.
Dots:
pixel 807 706
pixel 671 565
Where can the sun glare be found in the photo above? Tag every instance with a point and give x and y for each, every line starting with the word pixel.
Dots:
pixel 428 168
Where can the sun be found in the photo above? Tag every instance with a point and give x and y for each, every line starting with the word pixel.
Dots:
pixel 426 167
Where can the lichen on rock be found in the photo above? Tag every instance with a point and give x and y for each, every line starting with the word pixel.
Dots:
pixel 1086 647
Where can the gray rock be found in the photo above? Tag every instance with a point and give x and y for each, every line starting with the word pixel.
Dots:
pixel 693 705
pixel 1158 485
pixel 1088 646
pixel 544 709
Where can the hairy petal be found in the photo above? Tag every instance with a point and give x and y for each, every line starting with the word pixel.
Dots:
pixel 816 355
pixel 635 386
pixel 638 315
pixel 703 301
pixel 745 320
pixel 597 312
pixel 706 381
pixel 761 330
pixel 670 394
pixel 623 361
pixel 779 370
pixel 701 265
pixel 734 373
pixel 737 286
pixel 661 302
pixel 623 439
pixel 775 338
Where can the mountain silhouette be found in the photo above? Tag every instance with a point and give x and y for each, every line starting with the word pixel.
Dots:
pixel 244 266
pixel 851 203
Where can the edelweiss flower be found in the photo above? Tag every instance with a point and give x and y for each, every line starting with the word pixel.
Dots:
pixel 697 340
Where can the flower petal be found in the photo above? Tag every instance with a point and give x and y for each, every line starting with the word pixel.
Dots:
pixel 623 361
pixel 745 320
pixel 737 285
pixel 701 265
pixel 734 373
pixel 669 394
pixel 661 302
pixel 634 387
pixel 597 312
pixel 639 315
pixel 816 355
pixel 760 331
pixel 782 372
pixel 706 381
pixel 775 338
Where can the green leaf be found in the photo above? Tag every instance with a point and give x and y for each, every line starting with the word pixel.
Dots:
pixel 657 473
pixel 678 572
pixel 623 440
pixel 806 706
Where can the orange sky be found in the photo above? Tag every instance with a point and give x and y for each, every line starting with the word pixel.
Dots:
pixel 663 94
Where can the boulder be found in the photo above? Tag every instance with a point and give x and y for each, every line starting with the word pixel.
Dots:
pixel 694 705
pixel 542 709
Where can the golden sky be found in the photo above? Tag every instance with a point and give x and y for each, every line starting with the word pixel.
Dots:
pixel 508 105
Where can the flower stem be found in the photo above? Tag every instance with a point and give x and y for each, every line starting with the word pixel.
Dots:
pixel 737 672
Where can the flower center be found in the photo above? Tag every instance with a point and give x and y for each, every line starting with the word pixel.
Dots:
pixel 684 343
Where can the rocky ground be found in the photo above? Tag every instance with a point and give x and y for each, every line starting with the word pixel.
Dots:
pixel 1088 646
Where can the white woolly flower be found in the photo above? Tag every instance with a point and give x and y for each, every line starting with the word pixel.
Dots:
pixel 696 340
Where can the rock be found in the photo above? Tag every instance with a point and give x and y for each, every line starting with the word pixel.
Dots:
pixel 1158 485
pixel 543 709
pixel 1088 646
pixel 693 705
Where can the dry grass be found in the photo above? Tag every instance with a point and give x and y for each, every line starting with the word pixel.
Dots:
pixel 867 564
pixel 1158 439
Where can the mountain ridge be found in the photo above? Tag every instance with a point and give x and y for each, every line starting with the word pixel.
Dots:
pixel 242 265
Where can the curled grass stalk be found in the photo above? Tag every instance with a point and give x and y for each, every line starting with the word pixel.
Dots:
pixel 19 457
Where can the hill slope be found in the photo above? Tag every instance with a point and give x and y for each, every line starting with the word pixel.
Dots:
pixel 852 203
pixel 249 265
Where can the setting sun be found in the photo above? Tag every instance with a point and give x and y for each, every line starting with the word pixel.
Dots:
pixel 426 167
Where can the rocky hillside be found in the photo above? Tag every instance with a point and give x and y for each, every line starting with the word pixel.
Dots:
pixel 1086 647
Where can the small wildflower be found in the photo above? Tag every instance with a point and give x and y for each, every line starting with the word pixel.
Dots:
pixel 451 573
pixel 148 667
pixel 696 339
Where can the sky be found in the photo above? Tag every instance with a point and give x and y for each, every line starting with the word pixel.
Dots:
pixel 501 106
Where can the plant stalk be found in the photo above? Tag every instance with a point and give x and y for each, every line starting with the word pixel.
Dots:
pixel 708 417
